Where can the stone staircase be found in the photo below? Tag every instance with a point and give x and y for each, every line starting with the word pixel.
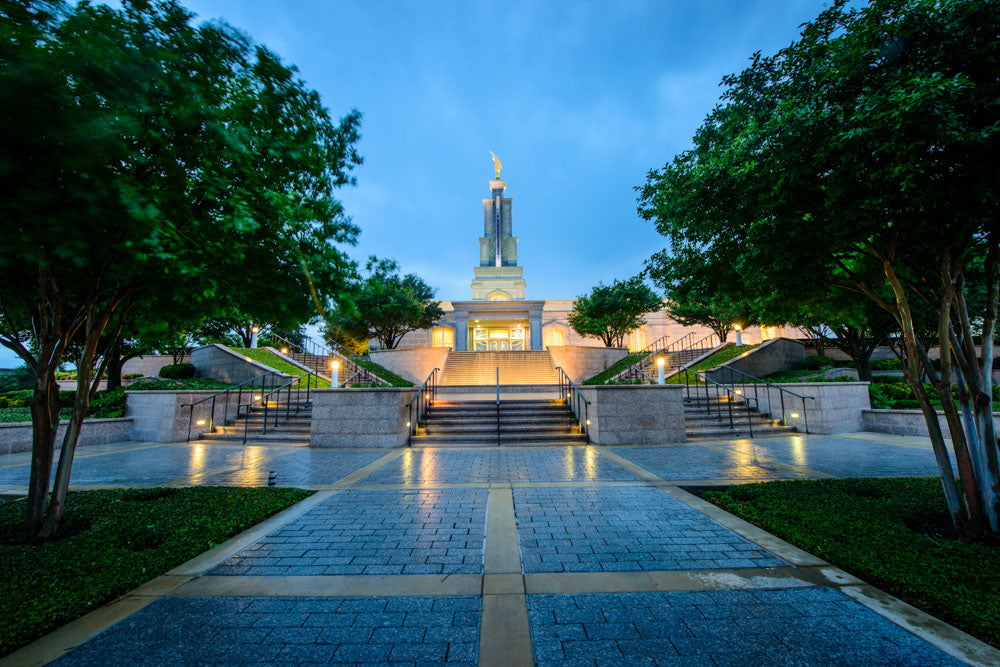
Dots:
pixel 292 426
pixel 473 423
pixel 673 360
pixel 480 368
pixel 708 419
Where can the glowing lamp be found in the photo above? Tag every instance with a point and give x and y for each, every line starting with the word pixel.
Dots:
pixel 660 361
pixel 795 415
pixel 739 392
pixel 334 364
pixel 588 422
pixel 257 398
pixel 738 327
pixel 200 422
pixel 254 329
pixel 407 424
pixel 284 350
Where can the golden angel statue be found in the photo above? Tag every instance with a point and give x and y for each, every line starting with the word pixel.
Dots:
pixel 496 164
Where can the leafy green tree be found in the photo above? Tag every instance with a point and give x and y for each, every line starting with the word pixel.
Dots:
pixel 386 305
pixel 862 158
pixel 611 312
pixel 148 160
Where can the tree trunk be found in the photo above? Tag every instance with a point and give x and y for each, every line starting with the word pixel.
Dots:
pixel 44 406
pixel 113 369
pixel 864 362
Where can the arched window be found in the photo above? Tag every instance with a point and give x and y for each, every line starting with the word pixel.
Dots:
pixel 637 340
pixel 443 337
pixel 554 336
pixel 499 296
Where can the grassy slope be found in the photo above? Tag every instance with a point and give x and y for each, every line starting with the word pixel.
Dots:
pixel 384 373
pixel 614 369
pixel 129 537
pixel 722 356
pixel 269 358
pixel 873 528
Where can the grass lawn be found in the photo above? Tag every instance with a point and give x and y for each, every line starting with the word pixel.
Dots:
pixel 115 540
pixel 893 533
pixel 615 369
pixel 720 357
pixel 269 358
pixel 384 373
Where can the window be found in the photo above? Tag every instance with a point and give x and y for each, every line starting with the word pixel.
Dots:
pixel 498 296
pixel 443 337
pixel 637 340
pixel 554 336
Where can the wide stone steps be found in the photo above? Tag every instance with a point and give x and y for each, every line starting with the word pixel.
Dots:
pixel 474 423
pixel 480 368
pixel 710 419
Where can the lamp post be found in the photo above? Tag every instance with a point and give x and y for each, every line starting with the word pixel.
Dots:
pixel 253 336
pixel 334 373
pixel 660 378
pixel 739 334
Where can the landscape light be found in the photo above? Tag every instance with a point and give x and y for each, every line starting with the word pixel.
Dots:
pixel 257 398
pixel 200 422
pixel 334 364
pixel 738 327
pixel 588 422
pixel 407 424
pixel 660 361
pixel 739 392
pixel 795 415
pixel 254 329
pixel 284 350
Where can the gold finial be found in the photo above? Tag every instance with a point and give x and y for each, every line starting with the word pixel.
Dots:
pixel 496 164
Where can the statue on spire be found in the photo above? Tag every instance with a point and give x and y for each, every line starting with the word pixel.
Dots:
pixel 496 164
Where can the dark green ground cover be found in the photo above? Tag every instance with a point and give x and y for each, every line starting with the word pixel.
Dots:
pixel 117 540
pixel 384 373
pixel 720 357
pixel 893 533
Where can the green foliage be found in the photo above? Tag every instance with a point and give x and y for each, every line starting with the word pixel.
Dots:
pixel 384 373
pixel 272 360
pixel 108 404
pixel 21 378
pixel 385 305
pixel 193 384
pixel 614 369
pixel 177 371
pixel 126 537
pixel 611 312
pixel 887 365
pixel 720 357
pixel 890 532
pixel 823 363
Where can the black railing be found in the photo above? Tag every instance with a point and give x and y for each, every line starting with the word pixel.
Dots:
pixel 309 350
pixel 578 405
pixel 426 395
pixel 675 355
pixel 715 394
pixel 310 378
pixel 498 406
pixel 745 380
pixel 250 385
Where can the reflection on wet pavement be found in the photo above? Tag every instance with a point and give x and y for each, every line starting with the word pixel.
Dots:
pixel 302 467
pixel 449 466
pixel 701 462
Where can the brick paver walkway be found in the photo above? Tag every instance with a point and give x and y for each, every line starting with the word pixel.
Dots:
pixel 558 556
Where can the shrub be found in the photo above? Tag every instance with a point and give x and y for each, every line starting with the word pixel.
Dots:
pixel 177 371
pixel 818 363
pixel 21 378
pixel 16 399
pixel 887 365
pixel 108 404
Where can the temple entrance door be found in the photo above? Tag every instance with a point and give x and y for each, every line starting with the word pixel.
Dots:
pixel 500 345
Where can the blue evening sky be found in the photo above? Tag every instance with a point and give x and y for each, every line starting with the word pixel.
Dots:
pixel 578 99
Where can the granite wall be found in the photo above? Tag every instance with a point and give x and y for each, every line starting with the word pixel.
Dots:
pixel 413 364
pixel 907 422
pixel 778 354
pixel 830 407
pixel 225 365
pixel 150 365
pixel 361 418
pixel 635 414
pixel 16 436
pixel 164 416
pixel 581 363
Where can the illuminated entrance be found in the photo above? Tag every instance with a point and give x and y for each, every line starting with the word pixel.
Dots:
pixel 497 336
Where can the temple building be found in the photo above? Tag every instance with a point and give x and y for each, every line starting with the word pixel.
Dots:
pixel 500 316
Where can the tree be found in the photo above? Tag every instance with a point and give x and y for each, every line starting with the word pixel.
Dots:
pixel 861 157
pixel 386 305
pixel 697 294
pixel 611 312
pixel 148 160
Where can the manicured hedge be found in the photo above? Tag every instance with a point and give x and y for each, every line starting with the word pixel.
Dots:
pixel 124 538
pixel 177 371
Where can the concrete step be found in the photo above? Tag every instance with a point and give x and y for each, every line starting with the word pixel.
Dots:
pixel 492 428
pixel 479 440
pixel 269 437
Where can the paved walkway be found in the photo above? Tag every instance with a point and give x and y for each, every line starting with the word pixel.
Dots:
pixel 558 556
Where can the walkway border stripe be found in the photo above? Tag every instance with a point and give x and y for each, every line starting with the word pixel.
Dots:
pixel 322 585
pixel 502 553
pixel 504 632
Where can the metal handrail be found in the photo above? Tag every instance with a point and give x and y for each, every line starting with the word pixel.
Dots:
pixel 755 382
pixel 288 401
pixel 315 349
pixel 237 387
pixel 674 348
pixel 731 395
pixel 498 406
pixel 426 395
pixel 575 400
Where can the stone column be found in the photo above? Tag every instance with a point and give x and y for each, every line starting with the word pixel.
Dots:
pixel 535 328
pixel 461 331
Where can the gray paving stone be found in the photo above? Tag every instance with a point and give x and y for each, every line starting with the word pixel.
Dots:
pixel 373 532
pixel 152 636
pixel 639 528
pixel 802 634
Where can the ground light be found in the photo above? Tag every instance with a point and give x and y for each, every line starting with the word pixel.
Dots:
pixel 739 334
pixel 335 373
pixel 660 379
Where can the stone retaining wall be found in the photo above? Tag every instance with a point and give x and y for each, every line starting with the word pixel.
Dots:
pixel 225 365
pixel 581 363
pixel 368 418
pixel 830 407
pixel 16 436
pixel 777 354
pixel 413 364
pixel 163 416
pixel 150 365
pixel 906 422
pixel 635 414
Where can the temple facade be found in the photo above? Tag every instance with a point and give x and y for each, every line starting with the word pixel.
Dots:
pixel 501 317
